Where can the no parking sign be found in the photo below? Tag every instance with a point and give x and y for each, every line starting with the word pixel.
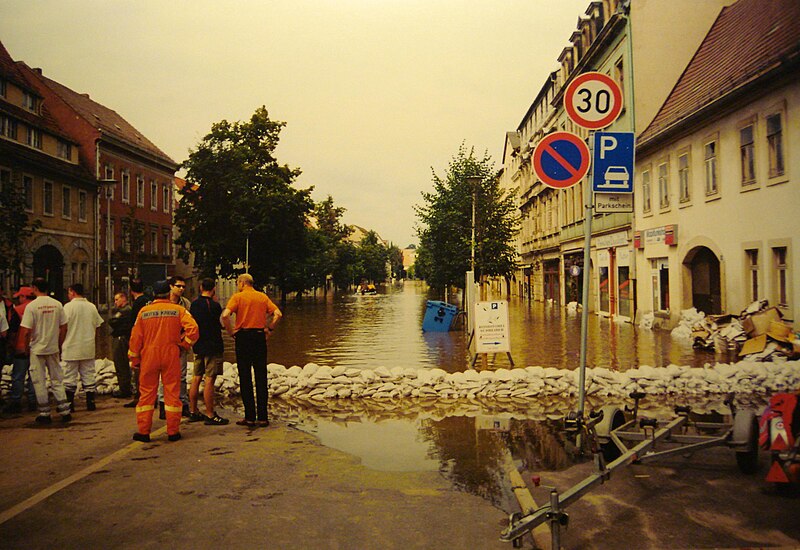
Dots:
pixel 561 159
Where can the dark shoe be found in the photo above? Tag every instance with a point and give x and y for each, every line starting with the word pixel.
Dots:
pixel 90 404
pixel 42 419
pixel 174 437
pixel 131 404
pixel 66 418
pixel 13 407
pixel 216 420
pixel 162 411
pixel 197 417
pixel 144 438
pixel 32 406
pixel 263 423
pixel 71 399
pixel 245 422
pixel 121 394
pixel 185 412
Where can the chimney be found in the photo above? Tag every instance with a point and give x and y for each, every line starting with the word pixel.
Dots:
pixel 38 70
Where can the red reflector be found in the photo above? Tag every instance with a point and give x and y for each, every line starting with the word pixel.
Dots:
pixel 776 474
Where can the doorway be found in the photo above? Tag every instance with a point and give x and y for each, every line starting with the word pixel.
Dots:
pixel 706 293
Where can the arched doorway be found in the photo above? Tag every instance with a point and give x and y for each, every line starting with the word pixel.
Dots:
pixel 706 294
pixel 49 264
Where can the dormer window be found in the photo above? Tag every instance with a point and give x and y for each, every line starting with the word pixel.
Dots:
pixel 30 102
pixel 64 150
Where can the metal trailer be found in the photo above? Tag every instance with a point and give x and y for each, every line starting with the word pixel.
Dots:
pixel 610 431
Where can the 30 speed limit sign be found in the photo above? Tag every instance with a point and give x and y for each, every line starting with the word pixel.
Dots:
pixel 593 100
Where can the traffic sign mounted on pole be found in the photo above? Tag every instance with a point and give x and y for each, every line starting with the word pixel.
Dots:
pixel 593 100
pixel 613 162
pixel 561 159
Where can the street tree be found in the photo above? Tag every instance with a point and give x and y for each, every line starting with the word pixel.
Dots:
pixel 15 227
pixel 396 261
pixel 237 192
pixel 445 217
pixel 374 257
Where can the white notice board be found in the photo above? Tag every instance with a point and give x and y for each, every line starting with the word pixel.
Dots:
pixel 491 327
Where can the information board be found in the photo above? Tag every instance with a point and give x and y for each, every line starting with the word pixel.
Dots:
pixel 491 327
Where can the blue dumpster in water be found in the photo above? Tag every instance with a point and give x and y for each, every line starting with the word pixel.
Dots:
pixel 438 316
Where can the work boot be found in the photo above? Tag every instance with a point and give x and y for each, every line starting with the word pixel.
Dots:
pixel 162 411
pixel 185 412
pixel 44 419
pixel 174 437
pixel 144 438
pixel 66 418
pixel 131 404
pixel 71 399
pixel 90 404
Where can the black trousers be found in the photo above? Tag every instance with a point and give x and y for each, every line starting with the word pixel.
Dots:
pixel 251 361
pixel 121 365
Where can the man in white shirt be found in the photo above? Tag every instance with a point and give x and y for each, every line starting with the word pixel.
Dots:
pixel 78 350
pixel 43 329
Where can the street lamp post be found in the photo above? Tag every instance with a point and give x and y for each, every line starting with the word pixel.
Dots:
pixel 473 182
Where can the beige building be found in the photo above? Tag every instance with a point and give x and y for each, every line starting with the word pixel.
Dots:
pixel 717 180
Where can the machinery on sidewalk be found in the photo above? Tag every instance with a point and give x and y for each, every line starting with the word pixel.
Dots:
pixel 619 437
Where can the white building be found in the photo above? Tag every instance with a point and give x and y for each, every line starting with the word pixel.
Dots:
pixel 717 178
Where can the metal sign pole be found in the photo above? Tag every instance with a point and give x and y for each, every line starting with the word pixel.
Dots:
pixel 587 249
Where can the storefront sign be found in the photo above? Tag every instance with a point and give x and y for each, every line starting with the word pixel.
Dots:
pixel 613 240
pixel 667 234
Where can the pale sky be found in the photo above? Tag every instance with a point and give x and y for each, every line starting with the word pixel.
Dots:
pixel 375 93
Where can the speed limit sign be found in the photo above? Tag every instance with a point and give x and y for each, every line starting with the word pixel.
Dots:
pixel 593 100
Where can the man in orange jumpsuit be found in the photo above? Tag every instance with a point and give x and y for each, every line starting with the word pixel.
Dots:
pixel 161 330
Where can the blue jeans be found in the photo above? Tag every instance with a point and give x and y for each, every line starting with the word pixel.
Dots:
pixel 19 371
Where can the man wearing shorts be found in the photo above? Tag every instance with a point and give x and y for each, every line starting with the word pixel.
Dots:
pixel 207 354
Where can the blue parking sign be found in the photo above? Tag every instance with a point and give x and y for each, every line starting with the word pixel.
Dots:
pixel 612 162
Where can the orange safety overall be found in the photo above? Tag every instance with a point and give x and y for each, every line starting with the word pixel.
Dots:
pixel 161 329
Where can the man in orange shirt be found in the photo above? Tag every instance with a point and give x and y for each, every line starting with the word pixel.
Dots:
pixel 256 317
pixel 161 330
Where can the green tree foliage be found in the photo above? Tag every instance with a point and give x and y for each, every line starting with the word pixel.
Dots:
pixel 396 261
pixel 237 189
pixel 15 227
pixel 445 231
pixel 374 257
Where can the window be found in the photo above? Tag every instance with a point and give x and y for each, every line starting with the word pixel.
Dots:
pixel 710 160
pixel 751 257
pixel 167 249
pixel 153 242
pixel 5 178
pixel 27 192
pixel 82 204
pixel 165 198
pixel 126 187
pixel 153 195
pixel 747 154
pixel 8 127
pixel 30 102
pixel 683 177
pixel 140 237
pixel 64 150
pixel 108 172
pixel 126 237
pixel 139 190
pixel 646 191
pixel 34 137
pixel 775 145
pixel 663 185
pixel 47 198
pixel 781 277
pixel 66 202
pixel 660 282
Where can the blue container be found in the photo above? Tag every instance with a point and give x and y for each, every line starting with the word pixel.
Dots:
pixel 438 316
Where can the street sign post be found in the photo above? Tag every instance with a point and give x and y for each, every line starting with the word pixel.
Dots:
pixel 612 162
pixel 561 159
pixel 593 100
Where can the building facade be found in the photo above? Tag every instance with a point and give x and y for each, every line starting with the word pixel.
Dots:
pixel 135 198
pixel 41 161
pixel 717 178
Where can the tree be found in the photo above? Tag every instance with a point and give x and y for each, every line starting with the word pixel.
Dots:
pixel 15 227
pixel 374 257
pixel 238 192
pixel 395 256
pixel 446 223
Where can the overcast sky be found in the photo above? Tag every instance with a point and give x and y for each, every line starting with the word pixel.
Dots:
pixel 375 93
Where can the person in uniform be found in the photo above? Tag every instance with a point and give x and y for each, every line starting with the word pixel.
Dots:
pixel 256 317
pixel 160 332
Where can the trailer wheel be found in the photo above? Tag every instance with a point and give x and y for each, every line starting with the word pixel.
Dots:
pixel 613 418
pixel 745 429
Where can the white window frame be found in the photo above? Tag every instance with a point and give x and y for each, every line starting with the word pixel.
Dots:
pixel 776 148
pixel 165 194
pixel 685 176
pixel 153 195
pixel 125 176
pixel 47 185
pixel 748 169
pixel 663 184
pixel 711 167
pixel 66 202
pixel 647 190
pixel 139 190
pixel 83 204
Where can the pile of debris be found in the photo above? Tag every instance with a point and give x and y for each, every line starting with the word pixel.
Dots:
pixel 758 333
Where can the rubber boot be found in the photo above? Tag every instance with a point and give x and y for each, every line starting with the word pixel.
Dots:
pixel 71 399
pixel 90 405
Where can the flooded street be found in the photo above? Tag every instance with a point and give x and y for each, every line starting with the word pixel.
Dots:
pixel 468 447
